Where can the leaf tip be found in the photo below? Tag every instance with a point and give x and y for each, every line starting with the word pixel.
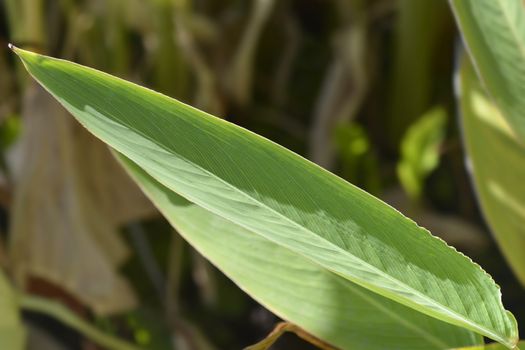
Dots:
pixel 14 48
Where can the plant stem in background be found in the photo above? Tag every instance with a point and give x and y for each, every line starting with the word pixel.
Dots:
pixel 147 258
pixel 67 317
pixel 420 29
pixel 170 68
pixel 174 275
pixel 344 86
pixel 241 76
pixel 284 327
pixel 206 96
pixel 26 25
pixel 26 22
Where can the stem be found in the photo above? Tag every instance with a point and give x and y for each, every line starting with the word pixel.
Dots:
pixel 147 258
pixel 66 316
pixel 283 327
pixel 241 75
pixel 174 276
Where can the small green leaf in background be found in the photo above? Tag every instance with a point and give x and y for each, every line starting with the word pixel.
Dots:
pixel 494 33
pixel 496 161
pixel 358 160
pixel 280 197
pixel 9 130
pixel 12 333
pixel 420 150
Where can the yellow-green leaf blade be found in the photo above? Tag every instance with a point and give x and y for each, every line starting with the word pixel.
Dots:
pixel 279 196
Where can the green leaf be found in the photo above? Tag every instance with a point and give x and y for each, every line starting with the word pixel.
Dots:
pixel 298 290
pixel 497 164
pixel 12 332
pixel 279 196
pixel 494 32
pixel 420 150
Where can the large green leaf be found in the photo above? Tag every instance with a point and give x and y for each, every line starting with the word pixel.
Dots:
pixel 327 305
pixel 497 164
pixel 494 32
pixel 12 333
pixel 279 196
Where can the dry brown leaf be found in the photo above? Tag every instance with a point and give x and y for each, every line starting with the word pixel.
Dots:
pixel 70 197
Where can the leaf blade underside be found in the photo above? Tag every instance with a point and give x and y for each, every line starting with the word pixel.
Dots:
pixel 327 305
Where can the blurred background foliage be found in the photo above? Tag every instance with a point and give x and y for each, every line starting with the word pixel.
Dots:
pixel 363 88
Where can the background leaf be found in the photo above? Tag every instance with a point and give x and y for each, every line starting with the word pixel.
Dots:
pixel 420 150
pixel 496 160
pixel 494 33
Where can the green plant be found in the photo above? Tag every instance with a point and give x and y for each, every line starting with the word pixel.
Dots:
pixel 343 267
